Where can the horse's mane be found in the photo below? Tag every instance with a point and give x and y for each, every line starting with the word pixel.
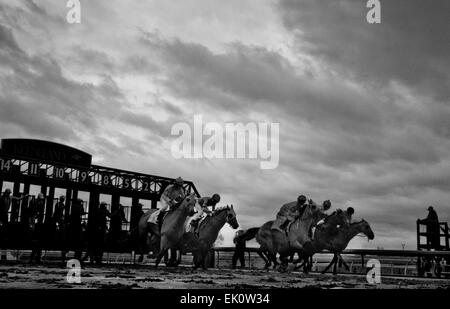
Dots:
pixel 358 222
pixel 220 209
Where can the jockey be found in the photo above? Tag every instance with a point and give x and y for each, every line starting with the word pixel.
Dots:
pixel 349 212
pixel 289 212
pixel 201 206
pixel 337 220
pixel 171 195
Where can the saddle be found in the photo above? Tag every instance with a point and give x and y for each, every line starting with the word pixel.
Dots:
pixel 195 225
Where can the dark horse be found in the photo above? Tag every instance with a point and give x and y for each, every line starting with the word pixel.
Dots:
pixel 208 230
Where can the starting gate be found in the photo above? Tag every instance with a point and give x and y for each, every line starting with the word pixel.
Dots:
pixel 48 165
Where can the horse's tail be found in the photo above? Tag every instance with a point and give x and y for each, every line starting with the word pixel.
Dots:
pixel 249 234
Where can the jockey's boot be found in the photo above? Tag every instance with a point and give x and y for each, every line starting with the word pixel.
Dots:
pixel 194 225
pixel 284 226
pixel 160 218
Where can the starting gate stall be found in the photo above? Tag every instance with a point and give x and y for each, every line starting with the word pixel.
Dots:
pixel 50 166
pixel 433 263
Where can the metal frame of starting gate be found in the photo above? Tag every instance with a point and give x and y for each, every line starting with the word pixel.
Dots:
pixel 93 179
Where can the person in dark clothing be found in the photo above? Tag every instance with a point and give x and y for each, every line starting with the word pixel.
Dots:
pixel 239 252
pixel 76 213
pixel 101 228
pixel 58 214
pixel 5 204
pixel 117 218
pixel 135 216
pixel 38 229
pixel 433 229
pixel 38 209
pixel 96 234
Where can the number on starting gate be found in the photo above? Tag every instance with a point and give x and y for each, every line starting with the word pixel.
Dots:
pixel 33 169
pixel 83 177
pixel 127 183
pixel 5 165
pixel 146 186
pixel 106 179
pixel 59 173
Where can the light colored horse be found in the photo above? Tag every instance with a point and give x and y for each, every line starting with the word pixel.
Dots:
pixel 208 231
pixel 275 241
pixel 172 228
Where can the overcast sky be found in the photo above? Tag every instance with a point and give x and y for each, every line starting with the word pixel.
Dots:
pixel 363 108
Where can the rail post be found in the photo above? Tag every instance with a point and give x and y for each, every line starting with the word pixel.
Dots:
pixel 363 266
pixel 447 236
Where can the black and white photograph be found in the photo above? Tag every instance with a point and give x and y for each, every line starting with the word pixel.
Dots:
pixel 240 146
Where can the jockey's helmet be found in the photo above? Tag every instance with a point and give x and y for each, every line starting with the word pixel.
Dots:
pixel 301 199
pixel 350 211
pixel 216 197
pixel 179 181
pixel 8 191
pixel 326 204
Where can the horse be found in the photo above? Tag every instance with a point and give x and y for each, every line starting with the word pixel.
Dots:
pixel 208 231
pixel 275 241
pixel 337 243
pixel 172 229
pixel 266 256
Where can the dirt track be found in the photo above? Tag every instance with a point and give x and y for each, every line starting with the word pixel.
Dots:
pixel 111 276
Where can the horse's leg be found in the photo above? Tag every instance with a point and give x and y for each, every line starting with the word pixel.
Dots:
pixel 273 257
pixel 161 254
pixel 284 262
pixel 335 267
pixel 329 265
pixel 163 250
pixel 344 263
pixel 141 243
pixel 306 265
pixel 167 257
pixel 170 257
pixel 195 260
pixel 179 255
pixel 205 260
pixel 173 256
pixel 266 261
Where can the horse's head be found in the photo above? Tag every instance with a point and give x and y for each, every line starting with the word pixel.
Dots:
pixel 230 215
pixel 231 218
pixel 188 203
pixel 364 228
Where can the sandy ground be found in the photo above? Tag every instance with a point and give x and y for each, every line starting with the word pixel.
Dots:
pixel 123 277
